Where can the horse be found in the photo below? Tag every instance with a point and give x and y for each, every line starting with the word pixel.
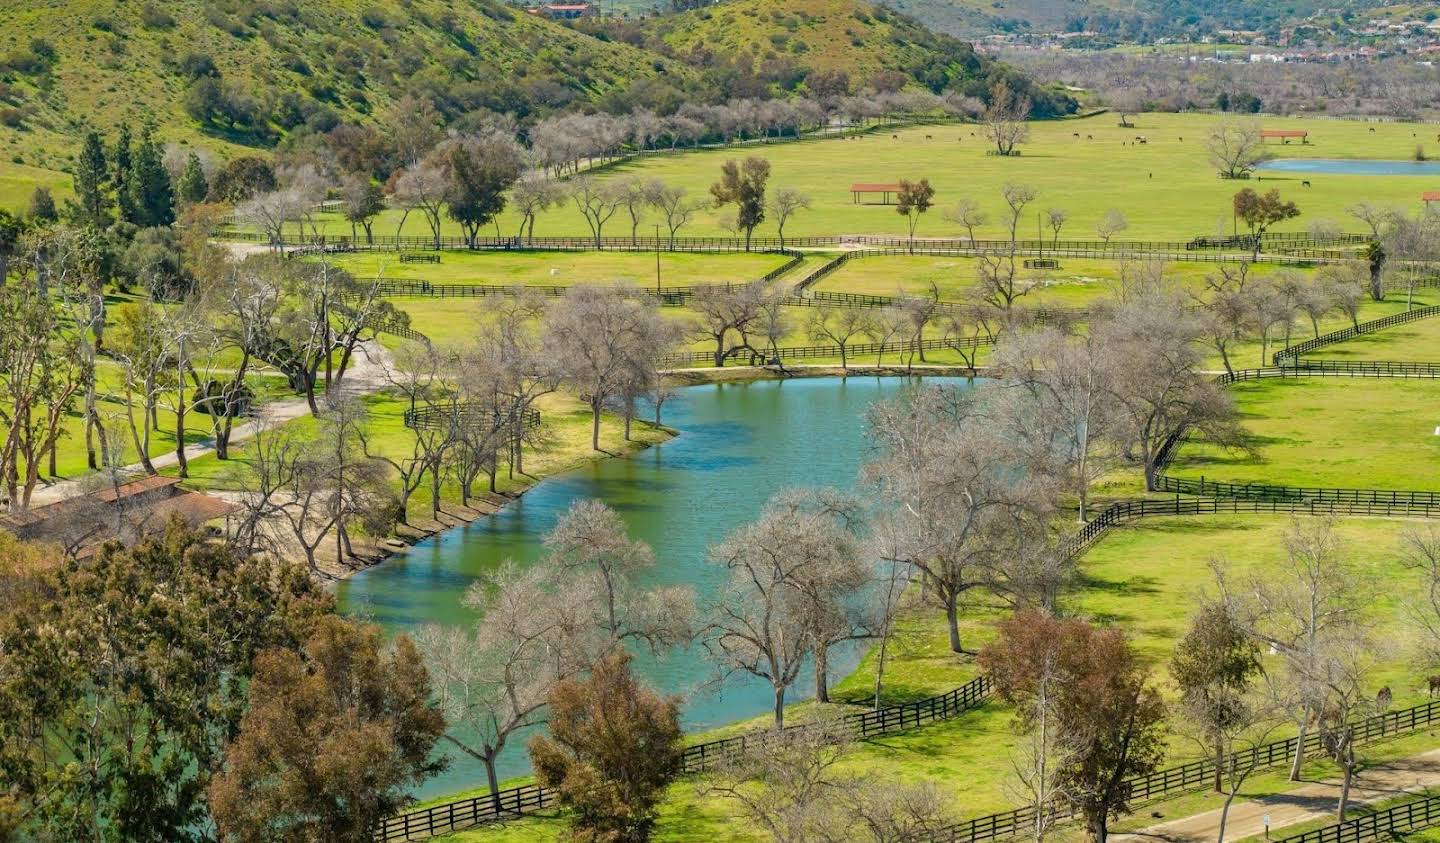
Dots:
pixel 927 137
pixel 1434 684
pixel 1382 699
pixel 1305 183
pixel 894 137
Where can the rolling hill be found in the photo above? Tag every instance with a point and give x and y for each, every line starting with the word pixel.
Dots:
pixel 246 73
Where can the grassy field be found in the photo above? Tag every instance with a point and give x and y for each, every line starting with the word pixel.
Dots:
pixel 1142 578
pixel 1166 187
pixel 1416 342
pixel 565 268
pixel 18 182
pixel 1340 432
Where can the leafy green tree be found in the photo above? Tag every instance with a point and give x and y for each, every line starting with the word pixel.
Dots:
pixel 477 174
pixel 1213 665
pixel 121 161
pixel 154 261
pixel 42 206
pixel 336 735
pixel 744 186
pixel 1259 212
pixel 912 200
pixel 1109 719
pixel 361 200
pixel 614 745
pixel 192 186
pixel 118 739
pixel 91 205
pixel 151 197
pixel 11 227
pixel 242 178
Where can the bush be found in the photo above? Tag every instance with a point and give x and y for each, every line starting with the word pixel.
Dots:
pixel 154 17
pixel 12 118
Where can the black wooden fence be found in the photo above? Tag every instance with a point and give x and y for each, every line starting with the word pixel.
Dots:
pixel 1282 356
pixel 511 802
pixel 1185 777
pixel 854 351
pixel 1386 824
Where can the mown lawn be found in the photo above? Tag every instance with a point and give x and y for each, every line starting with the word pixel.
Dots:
pixel 1342 432
pixel 566 268
pixel 1416 342
pixel 1166 187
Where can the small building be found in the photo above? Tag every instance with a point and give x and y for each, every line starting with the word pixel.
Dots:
pixel 1430 196
pixel 885 191
pixel 1285 135
pixel 563 11
pixel 126 512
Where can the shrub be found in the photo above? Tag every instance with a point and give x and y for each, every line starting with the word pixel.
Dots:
pixel 154 17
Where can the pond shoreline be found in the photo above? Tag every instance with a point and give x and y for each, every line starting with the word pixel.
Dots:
pixel 453 516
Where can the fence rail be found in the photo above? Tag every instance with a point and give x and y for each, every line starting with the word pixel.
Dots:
pixel 1381 825
pixel 1178 249
pixel 1295 351
pixel 465 413
pixel 512 802
pixel 1185 777
pixel 758 356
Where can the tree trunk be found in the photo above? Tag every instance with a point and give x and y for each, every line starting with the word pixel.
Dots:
pixel 594 424
pixel 1219 764
pixel 779 707
pixel 1345 783
pixel 822 671
pixel 1299 759
pixel 952 623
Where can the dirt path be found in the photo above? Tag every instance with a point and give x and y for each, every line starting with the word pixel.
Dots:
pixel 366 374
pixel 1313 801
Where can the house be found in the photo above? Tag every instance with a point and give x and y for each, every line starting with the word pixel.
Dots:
pixel 564 11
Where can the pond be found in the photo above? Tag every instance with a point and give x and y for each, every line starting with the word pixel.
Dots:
pixel 1352 167
pixel 739 444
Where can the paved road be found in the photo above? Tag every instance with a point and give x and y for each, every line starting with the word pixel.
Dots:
pixel 1313 801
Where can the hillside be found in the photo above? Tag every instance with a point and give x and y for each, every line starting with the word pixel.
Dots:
pixel 236 72
pixel 1121 19
pixel 864 41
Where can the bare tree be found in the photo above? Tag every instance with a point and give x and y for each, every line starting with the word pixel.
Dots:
pixel 728 315
pixel 597 202
pixel 532 195
pixel 786 202
pixel 422 187
pixel 600 334
pixel 677 210
pixel 839 325
pixel 1236 147
pixel 1006 119
pixel 947 472
pixel 790 573
pixel 1056 219
pixel 492 680
pixel 998 272
pixel 1420 552
pixel 1311 613
pixel 1156 383
pixel 967 212
pixel 636 194
pixel 1111 224
pixel 270 212
pixel 417 378
pixel 1064 382
pixel 592 551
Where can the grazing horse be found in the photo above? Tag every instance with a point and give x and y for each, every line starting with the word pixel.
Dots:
pixel 894 137
pixel 1434 684
pixel 927 137
pixel 1305 183
pixel 1382 699
pixel 1077 134
pixel 1089 137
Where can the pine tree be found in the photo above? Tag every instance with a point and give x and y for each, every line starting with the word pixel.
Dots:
pixel 151 198
pixel 120 165
pixel 42 206
pixel 91 205
pixel 193 186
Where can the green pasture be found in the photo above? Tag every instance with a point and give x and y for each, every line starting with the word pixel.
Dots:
pixel 1337 432
pixel 565 268
pixel 1144 578
pixel 18 182
pixel 1166 187
pixel 1415 342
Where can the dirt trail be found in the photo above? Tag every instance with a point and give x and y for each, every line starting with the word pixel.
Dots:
pixel 1313 801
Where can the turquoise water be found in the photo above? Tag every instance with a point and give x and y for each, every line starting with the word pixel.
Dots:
pixel 739 444
pixel 1352 167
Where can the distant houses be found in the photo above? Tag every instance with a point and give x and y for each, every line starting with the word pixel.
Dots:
pixel 564 11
